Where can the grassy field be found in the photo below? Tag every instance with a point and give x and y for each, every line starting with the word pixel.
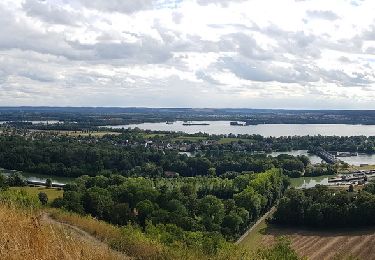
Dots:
pixel 52 193
pixel 81 133
pixel 228 140
pixel 254 239
pixel 189 138
pixel 153 135
pixel 94 134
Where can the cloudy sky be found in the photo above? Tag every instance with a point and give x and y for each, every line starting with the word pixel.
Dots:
pixel 188 53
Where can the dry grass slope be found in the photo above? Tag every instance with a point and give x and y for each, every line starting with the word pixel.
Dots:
pixel 24 236
pixel 128 240
pixel 135 244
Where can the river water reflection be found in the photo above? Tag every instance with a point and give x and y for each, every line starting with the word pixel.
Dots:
pixel 313 158
pixel 309 182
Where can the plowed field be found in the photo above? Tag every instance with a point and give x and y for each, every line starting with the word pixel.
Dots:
pixel 320 245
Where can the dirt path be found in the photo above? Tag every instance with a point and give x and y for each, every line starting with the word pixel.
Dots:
pixel 81 234
pixel 266 215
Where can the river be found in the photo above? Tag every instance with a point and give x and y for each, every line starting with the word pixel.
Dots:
pixel 277 130
pixel 40 177
pixel 352 160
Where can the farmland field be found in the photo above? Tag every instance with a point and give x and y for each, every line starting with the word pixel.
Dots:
pixel 330 244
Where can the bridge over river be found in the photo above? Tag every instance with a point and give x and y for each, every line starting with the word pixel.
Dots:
pixel 326 156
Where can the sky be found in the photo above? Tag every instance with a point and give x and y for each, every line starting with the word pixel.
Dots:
pixel 295 54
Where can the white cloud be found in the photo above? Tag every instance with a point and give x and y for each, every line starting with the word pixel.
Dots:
pixel 294 54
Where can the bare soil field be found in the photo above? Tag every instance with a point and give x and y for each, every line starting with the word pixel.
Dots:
pixel 333 244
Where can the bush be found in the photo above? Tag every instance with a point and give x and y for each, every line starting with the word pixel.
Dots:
pixel 43 198
pixel 282 250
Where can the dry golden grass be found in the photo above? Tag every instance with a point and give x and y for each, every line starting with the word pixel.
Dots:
pixel 24 236
pixel 134 243
pixel 126 239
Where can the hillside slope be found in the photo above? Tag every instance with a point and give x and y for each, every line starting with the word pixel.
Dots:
pixel 24 235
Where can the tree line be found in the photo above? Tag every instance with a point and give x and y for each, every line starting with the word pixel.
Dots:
pixel 72 157
pixel 324 207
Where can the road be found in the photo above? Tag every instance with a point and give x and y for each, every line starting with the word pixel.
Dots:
pixel 266 215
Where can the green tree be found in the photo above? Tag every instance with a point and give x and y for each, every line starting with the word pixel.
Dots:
pixel 16 180
pixel 72 201
pixel 145 209
pixel 98 202
pixel 3 182
pixel 48 183
pixel 121 214
pixel 250 200
pixel 43 198
pixel 211 209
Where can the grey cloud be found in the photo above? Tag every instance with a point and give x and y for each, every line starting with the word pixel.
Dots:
pixel 177 17
pixel 297 43
pixel 122 6
pixel 206 77
pixel 41 76
pixel 19 34
pixel 218 2
pixel 319 14
pixel 145 50
pixel 49 12
pixel 266 72
pixel 295 73
pixel 344 59
pixel 369 34
pixel 246 46
pixel 341 78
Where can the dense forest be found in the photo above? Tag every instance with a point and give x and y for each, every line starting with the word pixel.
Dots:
pixel 66 156
pixel 324 207
pixel 197 211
